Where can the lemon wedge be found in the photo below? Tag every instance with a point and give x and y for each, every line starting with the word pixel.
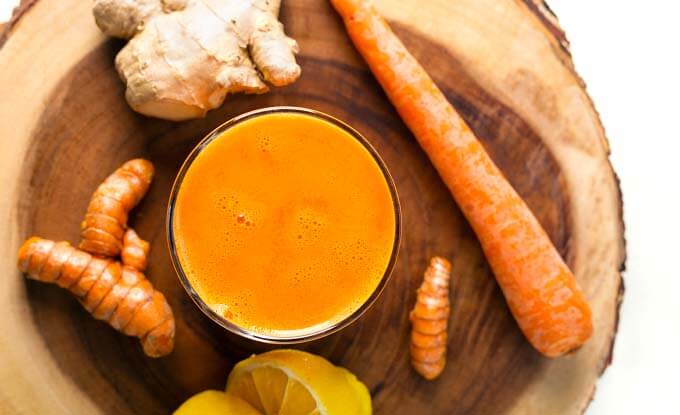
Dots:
pixel 215 403
pixel 292 382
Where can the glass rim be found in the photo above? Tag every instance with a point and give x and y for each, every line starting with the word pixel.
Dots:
pixel 243 331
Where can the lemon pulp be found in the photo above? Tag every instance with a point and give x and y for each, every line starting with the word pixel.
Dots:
pixel 292 382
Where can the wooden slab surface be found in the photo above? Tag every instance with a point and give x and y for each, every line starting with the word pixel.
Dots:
pixel 504 64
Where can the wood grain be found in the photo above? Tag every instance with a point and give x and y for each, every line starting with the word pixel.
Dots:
pixel 506 68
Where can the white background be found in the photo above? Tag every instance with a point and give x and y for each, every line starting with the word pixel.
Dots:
pixel 628 53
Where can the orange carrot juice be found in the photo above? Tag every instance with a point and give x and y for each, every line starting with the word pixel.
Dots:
pixel 284 224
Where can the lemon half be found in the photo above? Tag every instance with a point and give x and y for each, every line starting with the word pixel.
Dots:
pixel 292 382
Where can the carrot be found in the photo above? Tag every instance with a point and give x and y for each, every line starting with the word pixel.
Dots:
pixel 540 290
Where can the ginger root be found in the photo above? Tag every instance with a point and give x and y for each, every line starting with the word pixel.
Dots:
pixel 429 319
pixel 116 293
pixel 103 228
pixel 185 56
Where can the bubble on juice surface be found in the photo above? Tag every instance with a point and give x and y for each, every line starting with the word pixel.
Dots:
pixel 308 226
pixel 226 202
pixel 265 143
pixel 245 218
pixel 222 310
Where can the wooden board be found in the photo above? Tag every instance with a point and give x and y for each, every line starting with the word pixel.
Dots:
pixel 504 64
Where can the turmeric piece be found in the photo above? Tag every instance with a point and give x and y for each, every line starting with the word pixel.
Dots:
pixel 103 228
pixel 119 295
pixel 115 292
pixel 135 250
pixel 429 319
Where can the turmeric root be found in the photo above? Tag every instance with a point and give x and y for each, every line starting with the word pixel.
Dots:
pixel 103 228
pixel 135 250
pixel 119 295
pixel 185 56
pixel 429 319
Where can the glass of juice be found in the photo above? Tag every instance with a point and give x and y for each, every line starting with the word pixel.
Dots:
pixel 283 225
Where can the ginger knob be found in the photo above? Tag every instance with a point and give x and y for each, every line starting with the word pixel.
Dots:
pixel 185 56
